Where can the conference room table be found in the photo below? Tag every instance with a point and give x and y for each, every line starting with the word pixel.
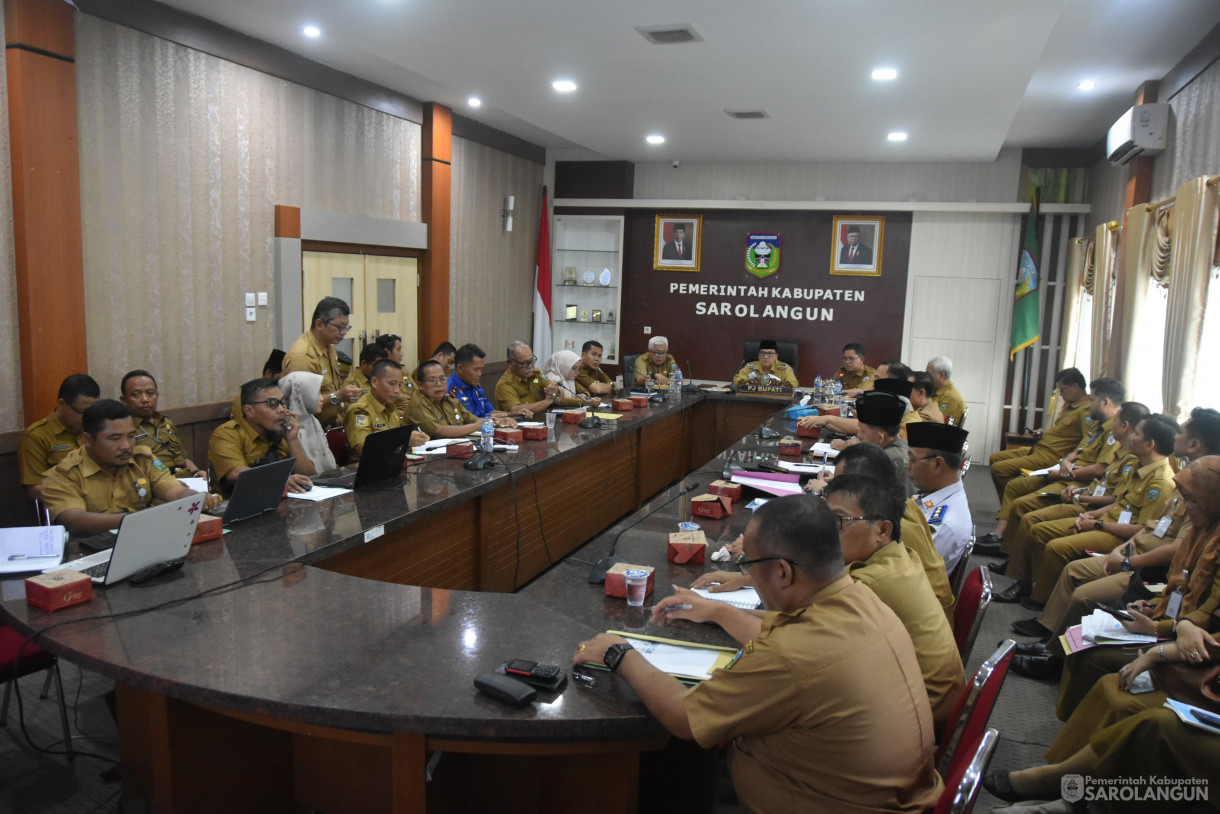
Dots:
pixel 322 656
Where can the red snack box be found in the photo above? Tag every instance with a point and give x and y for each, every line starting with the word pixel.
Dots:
pixel 807 432
pixel 534 433
pixel 789 446
pixel 622 404
pixel 574 416
pixel 508 435
pixel 687 547
pixel 209 528
pixel 639 401
pixel 459 450
pixel 615 586
pixel 726 488
pixel 826 409
pixel 713 506
pixel 58 589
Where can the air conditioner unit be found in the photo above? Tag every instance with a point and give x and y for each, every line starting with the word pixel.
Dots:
pixel 1139 131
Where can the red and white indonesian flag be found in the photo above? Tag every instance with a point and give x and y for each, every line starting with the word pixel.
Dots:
pixel 542 288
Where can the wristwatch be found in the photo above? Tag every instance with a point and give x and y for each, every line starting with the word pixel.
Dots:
pixel 1097 525
pixel 1126 566
pixel 334 398
pixel 614 655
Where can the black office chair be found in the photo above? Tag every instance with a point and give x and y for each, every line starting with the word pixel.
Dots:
pixel 786 347
pixel 629 370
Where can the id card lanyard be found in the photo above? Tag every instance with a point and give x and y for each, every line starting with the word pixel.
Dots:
pixel 1174 604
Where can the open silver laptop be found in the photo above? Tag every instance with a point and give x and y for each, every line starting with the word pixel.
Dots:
pixel 147 538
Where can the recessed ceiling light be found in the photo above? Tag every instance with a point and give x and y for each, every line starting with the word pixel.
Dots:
pixel 1087 84
pixel 897 135
pixel 474 101
pixel 311 31
pixel 564 85
pixel 655 138
pixel 884 74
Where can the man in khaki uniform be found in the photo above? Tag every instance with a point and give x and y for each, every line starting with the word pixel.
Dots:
pixel 91 489
pixel 854 374
pixel 948 400
pixel 314 352
pixel 657 364
pixel 48 440
pixel 439 414
pixel 392 344
pixel 375 410
pixel 768 370
pixel 153 430
pixel 523 388
pixel 922 390
pixel 591 376
pixel 266 432
pixel 1056 442
pixel 1147 494
pixel 359 377
pixel 1088 461
pixel 825 690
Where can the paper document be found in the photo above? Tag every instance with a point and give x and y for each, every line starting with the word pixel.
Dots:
pixel 1102 628
pixel 1187 713
pixel 805 469
pixel 197 484
pixel 775 484
pixel 609 416
pixel 1037 473
pixel 319 493
pixel 31 548
pixel 741 598
pixel 820 448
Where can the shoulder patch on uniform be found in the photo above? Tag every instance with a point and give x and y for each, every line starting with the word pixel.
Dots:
pixel 1153 494
pixel 938 514
pixel 1110 440
pixel 1127 469
pixel 362 420
pixel 158 465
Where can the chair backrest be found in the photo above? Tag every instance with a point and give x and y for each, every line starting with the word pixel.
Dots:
pixel 964 777
pixel 629 369
pixel 965 726
pixel 965 412
pixel 786 347
pixel 336 439
pixel 958 577
pixel 972 602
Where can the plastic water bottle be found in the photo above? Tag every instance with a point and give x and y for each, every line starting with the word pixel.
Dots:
pixel 487 433
pixel 817 387
pixel 838 391
pixel 675 385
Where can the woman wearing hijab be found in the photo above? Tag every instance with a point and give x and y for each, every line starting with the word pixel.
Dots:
pixel 562 368
pixel 303 395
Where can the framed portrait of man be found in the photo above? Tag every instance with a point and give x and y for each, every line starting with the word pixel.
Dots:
pixel 856 246
pixel 678 243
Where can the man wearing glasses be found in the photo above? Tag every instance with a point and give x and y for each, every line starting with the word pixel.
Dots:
pixel 265 433
pixel 934 462
pixel 768 370
pixel 825 690
pixel 657 364
pixel 439 414
pixel 314 352
pixel 48 440
pixel 854 374
pixel 523 389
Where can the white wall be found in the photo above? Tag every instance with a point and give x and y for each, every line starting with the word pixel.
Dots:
pixel 959 304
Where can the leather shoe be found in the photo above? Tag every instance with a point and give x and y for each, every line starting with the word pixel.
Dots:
pixel 998 784
pixel 1033 649
pixel 1042 668
pixel 1000 568
pixel 1030 604
pixel 1013 593
pixel 988 544
pixel 1029 627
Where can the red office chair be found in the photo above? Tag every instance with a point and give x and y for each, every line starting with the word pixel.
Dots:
pixel 336 439
pixel 973 710
pixel 964 777
pixel 33 658
pixel 972 602
pixel 958 576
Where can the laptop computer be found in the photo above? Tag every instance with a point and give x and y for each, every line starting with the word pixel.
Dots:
pixel 258 489
pixel 145 539
pixel 381 458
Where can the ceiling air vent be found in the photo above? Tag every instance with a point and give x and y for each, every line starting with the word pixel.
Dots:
pixel 748 114
pixel 670 34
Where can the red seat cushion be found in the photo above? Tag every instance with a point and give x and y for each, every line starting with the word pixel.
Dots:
pixel 33 657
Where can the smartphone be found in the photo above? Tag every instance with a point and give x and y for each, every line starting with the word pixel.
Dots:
pixel 1093 604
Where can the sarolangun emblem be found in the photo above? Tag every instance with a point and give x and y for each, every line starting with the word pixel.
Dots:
pixel 762 254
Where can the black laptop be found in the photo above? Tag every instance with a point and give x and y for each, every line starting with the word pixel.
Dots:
pixel 381 458
pixel 258 489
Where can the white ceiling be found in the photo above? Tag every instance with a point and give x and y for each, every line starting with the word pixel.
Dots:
pixel 975 75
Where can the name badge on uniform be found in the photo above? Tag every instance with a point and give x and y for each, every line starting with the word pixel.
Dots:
pixel 938 514
pixel 1099 490
pixel 1162 526
pixel 1174 604
pixel 1124 517
pixel 139 436
pixel 58 447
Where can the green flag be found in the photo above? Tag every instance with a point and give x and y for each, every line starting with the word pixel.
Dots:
pixel 1027 310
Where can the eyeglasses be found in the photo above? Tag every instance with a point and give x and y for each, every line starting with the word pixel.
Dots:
pixel 843 520
pixel 662 352
pixel 340 328
pixel 850 358
pixel 744 565
pixel 527 363
pixel 768 353
pixel 434 382
pixel 72 407
pixel 273 404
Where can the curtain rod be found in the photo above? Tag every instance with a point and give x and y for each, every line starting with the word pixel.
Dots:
pixel 1159 204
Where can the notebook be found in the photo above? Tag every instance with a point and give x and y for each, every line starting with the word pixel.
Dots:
pixel 381 458
pixel 258 489
pixel 146 538
pixel 741 598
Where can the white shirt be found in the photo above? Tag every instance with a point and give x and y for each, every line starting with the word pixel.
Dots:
pixel 948 513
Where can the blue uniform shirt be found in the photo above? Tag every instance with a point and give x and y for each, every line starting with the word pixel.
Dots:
pixel 471 396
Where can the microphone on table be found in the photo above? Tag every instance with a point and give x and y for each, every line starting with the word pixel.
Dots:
pixel 689 386
pixel 598 574
pixel 590 422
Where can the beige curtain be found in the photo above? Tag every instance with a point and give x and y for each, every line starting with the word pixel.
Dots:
pixel 1194 250
pixel 1073 299
pixel 1145 265
pixel 10 356
pixel 1105 283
